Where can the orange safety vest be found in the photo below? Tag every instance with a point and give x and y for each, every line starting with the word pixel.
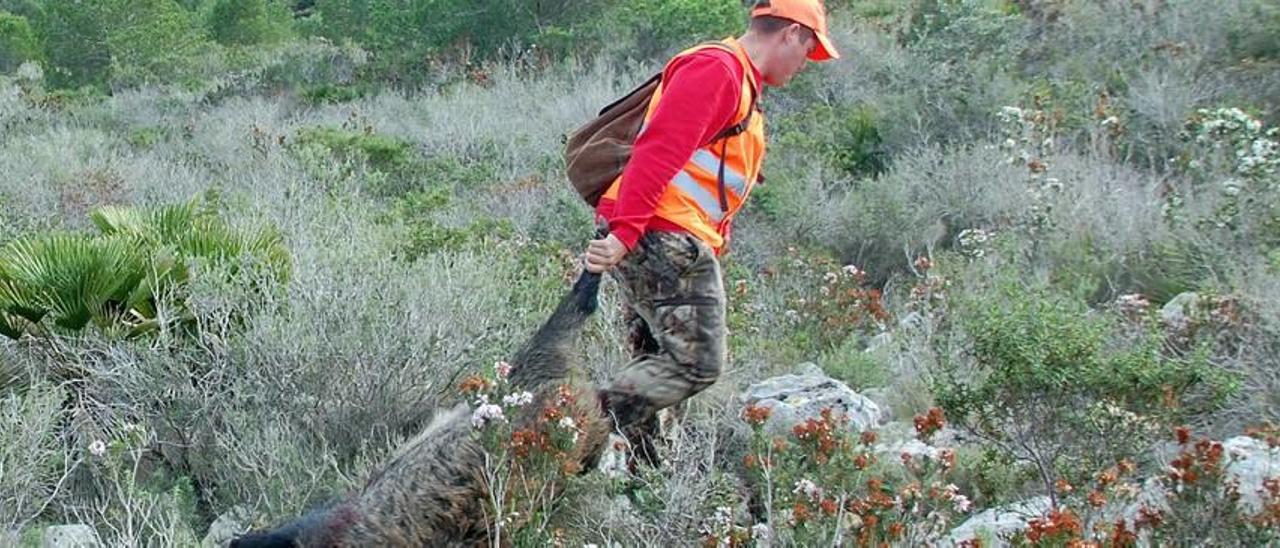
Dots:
pixel 693 199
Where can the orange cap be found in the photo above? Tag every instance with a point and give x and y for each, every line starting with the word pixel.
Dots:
pixel 809 13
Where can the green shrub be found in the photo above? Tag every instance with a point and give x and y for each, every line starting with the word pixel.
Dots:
pixel 76 42
pixel 844 137
pixel 124 42
pixel 335 93
pixel 385 153
pixel 1254 33
pixel 404 33
pixel 248 22
pixel 1064 389
pixel 421 233
pixel 396 163
pixel 155 41
pixel 18 42
pixel 658 26
pixel 146 137
pixel 853 365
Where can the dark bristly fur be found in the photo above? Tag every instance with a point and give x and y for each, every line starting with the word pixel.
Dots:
pixel 431 492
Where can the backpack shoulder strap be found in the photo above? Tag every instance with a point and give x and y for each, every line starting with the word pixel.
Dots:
pixel 645 88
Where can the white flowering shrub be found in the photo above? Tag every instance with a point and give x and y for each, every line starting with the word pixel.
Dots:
pixel 1028 143
pixel 1236 159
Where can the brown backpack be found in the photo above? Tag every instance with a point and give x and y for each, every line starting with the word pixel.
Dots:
pixel 596 153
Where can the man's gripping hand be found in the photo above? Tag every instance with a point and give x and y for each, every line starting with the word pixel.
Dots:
pixel 604 253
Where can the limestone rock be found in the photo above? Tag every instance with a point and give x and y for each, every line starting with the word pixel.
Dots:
pixel 71 536
pixel 226 527
pixel 995 525
pixel 795 398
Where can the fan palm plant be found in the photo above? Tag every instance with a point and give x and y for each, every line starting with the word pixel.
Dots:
pixel 115 278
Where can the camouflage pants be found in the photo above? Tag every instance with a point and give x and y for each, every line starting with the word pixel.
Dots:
pixel 672 287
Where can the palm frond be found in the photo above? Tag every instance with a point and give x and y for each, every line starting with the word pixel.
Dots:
pixel 71 278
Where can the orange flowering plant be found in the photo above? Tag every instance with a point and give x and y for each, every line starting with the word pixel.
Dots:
pixel 824 484
pixel 530 440
pixel 1195 498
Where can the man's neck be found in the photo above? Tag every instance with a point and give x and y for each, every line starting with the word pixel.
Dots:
pixel 751 43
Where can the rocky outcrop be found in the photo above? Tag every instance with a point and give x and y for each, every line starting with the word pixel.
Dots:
pixel 797 397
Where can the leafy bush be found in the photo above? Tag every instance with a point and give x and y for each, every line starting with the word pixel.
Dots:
pixel 248 22
pixel 124 41
pixel 421 233
pixel 395 164
pixel 1255 32
pixel 335 93
pixel 660 25
pixel 146 137
pixel 18 42
pixel 385 153
pixel 1064 389
pixel 76 42
pixel 404 34
pixel 844 137
pixel 157 42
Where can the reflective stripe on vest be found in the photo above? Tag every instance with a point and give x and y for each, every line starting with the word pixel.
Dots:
pixel 711 163
pixel 709 203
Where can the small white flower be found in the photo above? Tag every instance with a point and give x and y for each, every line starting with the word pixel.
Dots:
pixel 518 399
pixel 961 503
pixel 808 489
pixel 1133 303
pixel 723 516
pixel 851 270
pixel 568 424
pixel 502 369
pixel 486 413
pixel 830 277
pixel 98 448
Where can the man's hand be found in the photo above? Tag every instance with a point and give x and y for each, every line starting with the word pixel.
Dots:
pixel 604 253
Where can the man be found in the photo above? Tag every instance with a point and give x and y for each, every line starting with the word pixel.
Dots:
pixel 693 166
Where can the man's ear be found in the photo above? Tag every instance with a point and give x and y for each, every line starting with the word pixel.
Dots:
pixel 797 32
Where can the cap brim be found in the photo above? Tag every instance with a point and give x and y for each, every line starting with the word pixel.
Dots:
pixel 825 50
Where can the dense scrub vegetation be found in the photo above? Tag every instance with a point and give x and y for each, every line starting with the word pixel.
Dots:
pixel 248 246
